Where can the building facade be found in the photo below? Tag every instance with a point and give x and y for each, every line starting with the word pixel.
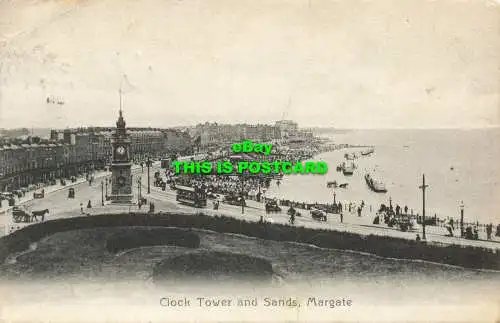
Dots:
pixel 74 152
pixel 288 128
pixel 94 144
pixel 214 135
pixel 29 162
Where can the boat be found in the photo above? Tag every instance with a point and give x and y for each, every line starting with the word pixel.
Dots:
pixel 331 184
pixel 375 185
pixel 348 170
pixel 368 152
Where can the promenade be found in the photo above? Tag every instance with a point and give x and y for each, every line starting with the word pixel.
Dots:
pixel 61 206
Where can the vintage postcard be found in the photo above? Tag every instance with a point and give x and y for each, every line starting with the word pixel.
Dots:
pixel 249 161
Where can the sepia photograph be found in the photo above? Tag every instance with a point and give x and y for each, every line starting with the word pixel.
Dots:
pixel 249 161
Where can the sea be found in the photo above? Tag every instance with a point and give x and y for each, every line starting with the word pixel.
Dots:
pixel 459 166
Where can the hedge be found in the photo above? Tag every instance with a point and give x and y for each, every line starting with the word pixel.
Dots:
pixel 465 256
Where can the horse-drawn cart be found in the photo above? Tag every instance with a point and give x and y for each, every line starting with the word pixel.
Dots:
pixel 233 199
pixel 404 222
pixel 272 206
pixel 318 214
pixel 39 195
pixel 20 215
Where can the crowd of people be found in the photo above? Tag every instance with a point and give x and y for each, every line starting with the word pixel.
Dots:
pixel 470 231
pixel 354 208
pixel 225 185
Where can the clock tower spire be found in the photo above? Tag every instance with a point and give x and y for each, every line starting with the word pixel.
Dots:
pixel 121 172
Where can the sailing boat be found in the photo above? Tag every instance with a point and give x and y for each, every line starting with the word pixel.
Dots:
pixel 348 170
pixel 375 185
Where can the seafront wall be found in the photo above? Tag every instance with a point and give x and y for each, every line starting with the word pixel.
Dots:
pixel 469 257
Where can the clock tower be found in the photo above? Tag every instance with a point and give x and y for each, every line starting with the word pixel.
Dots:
pixel 121 174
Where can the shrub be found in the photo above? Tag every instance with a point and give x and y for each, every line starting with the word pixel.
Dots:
pixel 213 264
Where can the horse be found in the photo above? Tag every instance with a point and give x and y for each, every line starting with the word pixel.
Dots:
pixel 36 214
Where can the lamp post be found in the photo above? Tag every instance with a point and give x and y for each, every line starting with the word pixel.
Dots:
pixel 149 165
pixel 106 188
pixel 423 187
pixel 260 183
pixel 462 218
pixel 139 190
pixel 102 193
pixel 242 200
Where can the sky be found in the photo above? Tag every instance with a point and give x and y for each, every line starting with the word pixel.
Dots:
pixel 344 63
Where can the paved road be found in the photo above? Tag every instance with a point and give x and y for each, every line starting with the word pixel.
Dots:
pixel 61 206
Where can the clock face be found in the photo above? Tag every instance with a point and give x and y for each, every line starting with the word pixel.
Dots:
pixel 120 150
pixel 121 180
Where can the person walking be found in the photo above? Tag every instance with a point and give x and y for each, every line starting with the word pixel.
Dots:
pixel 449 227
pixel 489 230
pixel 81 208
pixel 89 205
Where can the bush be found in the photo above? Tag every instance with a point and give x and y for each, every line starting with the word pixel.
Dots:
pixel 213 264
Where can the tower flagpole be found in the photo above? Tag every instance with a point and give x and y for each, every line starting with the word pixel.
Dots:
pixel 120 94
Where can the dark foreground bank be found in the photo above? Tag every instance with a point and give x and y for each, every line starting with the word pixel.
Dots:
pixel 465 256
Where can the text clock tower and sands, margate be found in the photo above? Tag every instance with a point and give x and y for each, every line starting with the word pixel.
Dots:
pixel 121 178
